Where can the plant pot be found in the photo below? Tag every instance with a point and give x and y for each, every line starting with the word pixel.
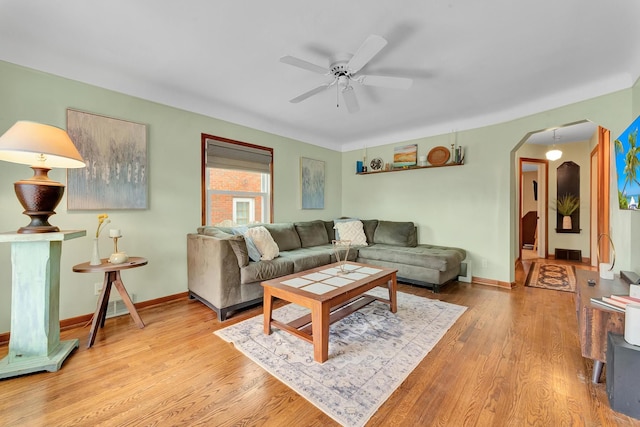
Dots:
pixel 566 222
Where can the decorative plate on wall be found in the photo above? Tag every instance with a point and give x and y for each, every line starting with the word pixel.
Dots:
pixel 376 164
pixel 438 156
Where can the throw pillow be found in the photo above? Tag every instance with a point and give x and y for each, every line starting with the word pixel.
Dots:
pixel 351 230
pixel 264 242
pixel 239 247
pixel 254 253
pixel 336 221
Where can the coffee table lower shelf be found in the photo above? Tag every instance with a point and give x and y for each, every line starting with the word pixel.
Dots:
pixel 302 326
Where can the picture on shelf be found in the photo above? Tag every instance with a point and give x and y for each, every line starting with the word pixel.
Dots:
pixel 406 155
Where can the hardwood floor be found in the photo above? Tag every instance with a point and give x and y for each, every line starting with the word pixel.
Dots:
pixel 512 359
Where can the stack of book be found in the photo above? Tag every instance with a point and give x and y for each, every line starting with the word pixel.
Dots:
pixel 616 302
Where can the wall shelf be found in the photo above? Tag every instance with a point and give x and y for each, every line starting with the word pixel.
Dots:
pixel 409 168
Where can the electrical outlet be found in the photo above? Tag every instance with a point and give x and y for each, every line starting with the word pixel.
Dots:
pixel 97 288
pixel 484 263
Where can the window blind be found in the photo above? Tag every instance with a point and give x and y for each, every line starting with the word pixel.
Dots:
pixel 225 155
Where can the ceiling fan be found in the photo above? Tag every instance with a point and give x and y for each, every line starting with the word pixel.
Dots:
pixel 344 68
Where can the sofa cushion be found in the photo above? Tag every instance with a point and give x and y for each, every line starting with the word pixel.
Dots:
pixel 312 233
pixel 434 257
pixel 239 247
pixel 215 232
pixel 331 233
pixel 395 233
pixel 307 258
pixel 353 231
pixel 264 242
pixel 285 235
pixel 265 270
pixel 369 228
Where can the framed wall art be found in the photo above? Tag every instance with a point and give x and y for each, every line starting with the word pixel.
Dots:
pixel 312 183
pixel 115 152
pixel 406 155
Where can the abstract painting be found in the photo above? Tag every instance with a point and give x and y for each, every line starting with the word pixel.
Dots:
pixel 312 183
pixel 115 152
pixel 407 155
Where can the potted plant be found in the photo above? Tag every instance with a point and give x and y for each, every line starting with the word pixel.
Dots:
pixel 566 206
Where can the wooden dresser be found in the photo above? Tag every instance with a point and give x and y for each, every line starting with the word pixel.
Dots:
pixel 594 321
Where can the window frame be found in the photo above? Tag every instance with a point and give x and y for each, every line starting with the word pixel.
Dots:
pixel 203 172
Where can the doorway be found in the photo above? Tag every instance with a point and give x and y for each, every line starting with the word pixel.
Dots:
pixel 590 146
pixel 533 208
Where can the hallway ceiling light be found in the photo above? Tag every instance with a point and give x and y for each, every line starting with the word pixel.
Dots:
pixel 554 153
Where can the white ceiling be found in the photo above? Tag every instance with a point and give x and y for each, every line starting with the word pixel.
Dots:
pixel 473 62
pixel 576 132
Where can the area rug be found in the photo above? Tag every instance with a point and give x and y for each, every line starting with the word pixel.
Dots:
pixel 552 276
pixel 371 352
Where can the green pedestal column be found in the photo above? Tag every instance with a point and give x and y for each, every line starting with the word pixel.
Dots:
pixel 34 344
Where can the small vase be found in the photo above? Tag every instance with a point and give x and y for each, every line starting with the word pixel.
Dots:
pixel 566 222
pixel 95 254
pixel 118 258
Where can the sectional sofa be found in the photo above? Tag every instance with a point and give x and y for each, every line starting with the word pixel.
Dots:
pixel 222 274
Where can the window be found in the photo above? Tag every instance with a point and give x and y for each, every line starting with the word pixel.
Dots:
pixel 243 211
pixel 236 182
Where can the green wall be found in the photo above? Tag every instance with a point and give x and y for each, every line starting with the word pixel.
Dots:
pixel 174 186
pixel 472 206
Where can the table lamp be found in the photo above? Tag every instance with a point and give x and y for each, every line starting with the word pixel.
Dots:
pixel 43 147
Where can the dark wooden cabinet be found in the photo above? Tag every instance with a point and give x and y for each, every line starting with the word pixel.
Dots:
pixel 568 183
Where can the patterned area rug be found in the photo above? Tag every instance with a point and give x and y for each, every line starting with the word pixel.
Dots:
pixel 371 352
pixel 552 276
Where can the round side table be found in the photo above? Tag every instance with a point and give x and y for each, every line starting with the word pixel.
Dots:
pixel 111 276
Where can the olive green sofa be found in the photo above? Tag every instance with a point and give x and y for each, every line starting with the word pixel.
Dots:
pixel 221 276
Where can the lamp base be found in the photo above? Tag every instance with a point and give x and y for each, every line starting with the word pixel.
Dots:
pixel 39 196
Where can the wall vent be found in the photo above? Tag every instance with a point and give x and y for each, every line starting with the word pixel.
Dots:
pixel 116 306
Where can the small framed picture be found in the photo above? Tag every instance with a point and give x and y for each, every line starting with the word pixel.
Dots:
pixel 406 155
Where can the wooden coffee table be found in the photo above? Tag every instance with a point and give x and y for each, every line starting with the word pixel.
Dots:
pixel 329 295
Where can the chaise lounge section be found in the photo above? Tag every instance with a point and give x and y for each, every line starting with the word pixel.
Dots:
pixel 223 275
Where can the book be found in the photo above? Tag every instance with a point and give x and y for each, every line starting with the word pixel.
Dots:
pixel 617 303
pixel 602 303
pixel 626 298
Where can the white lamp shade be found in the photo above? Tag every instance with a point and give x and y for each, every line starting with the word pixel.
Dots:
pixel 26 141
pixel 554 154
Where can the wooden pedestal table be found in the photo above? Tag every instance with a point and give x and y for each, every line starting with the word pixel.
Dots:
pixel 34 343
pixel 329 295
pixel 111 276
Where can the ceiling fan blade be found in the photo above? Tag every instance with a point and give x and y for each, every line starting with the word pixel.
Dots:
pixel 310 93
pixel 385 81
pixel 301 63
pixel 350 99
pixel 370 48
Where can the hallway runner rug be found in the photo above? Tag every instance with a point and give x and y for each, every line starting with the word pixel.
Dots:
pixel 371 352
pixel 552 276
